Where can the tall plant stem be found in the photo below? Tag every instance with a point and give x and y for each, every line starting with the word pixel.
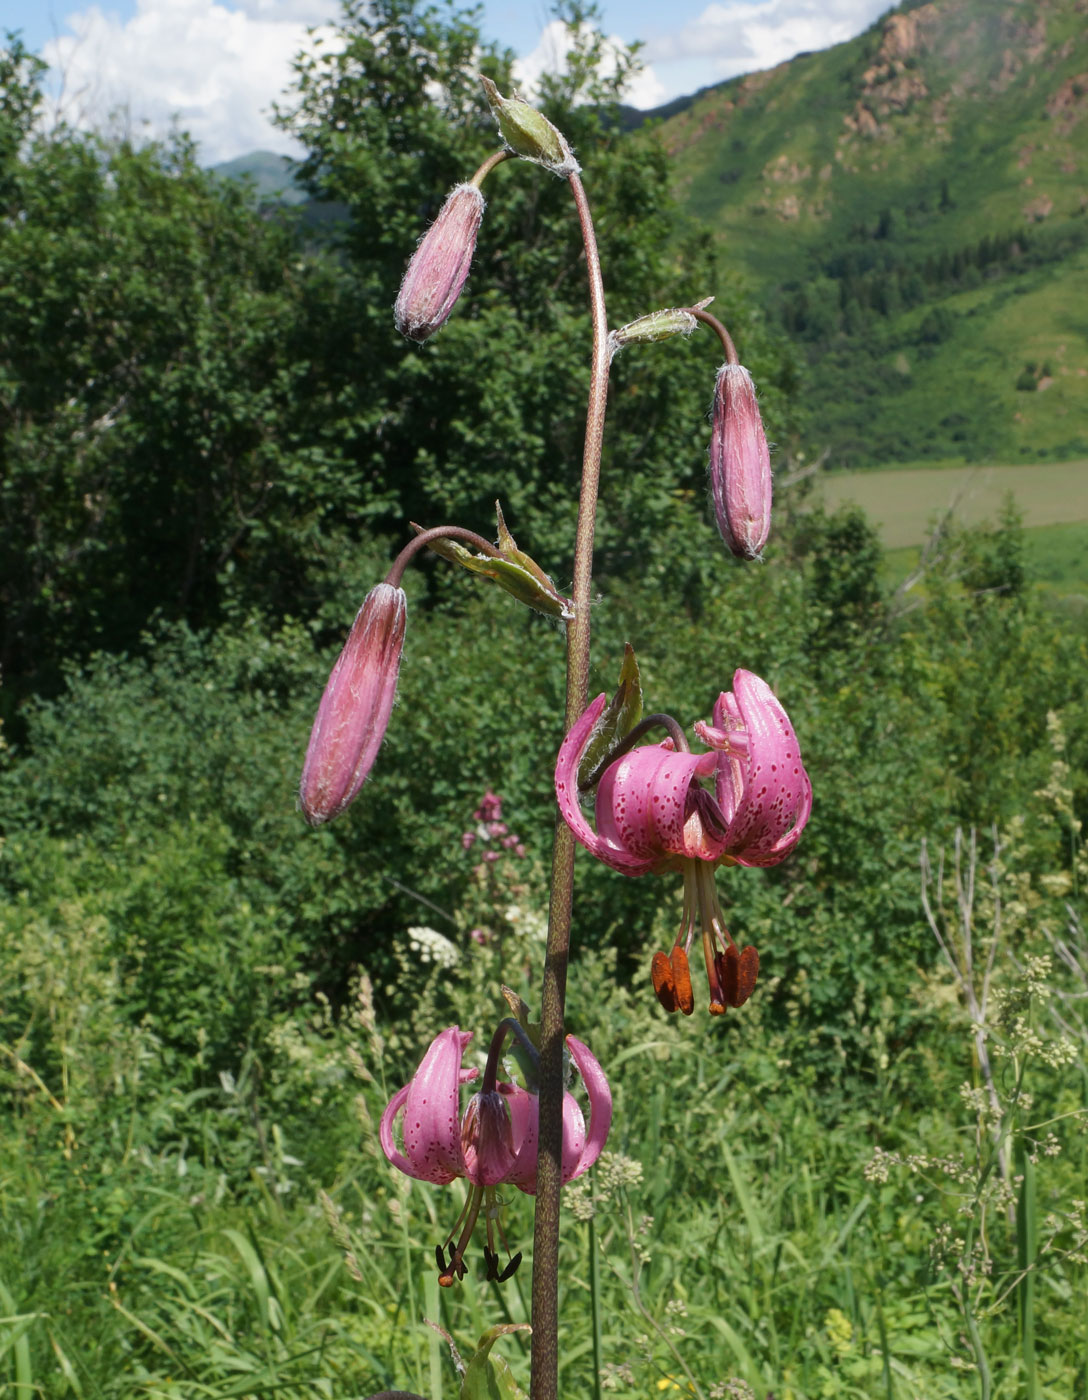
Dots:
pixel 544 1384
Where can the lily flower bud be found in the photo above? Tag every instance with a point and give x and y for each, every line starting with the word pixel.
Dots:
pixel 440 265
pixel 658 325
pixel 740 465
pixel 354 710
pixel 529 133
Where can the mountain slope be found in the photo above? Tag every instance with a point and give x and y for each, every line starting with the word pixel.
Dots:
pixel 272 176
pixel 915 204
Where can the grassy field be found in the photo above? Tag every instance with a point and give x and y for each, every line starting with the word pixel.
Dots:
pixel 904 504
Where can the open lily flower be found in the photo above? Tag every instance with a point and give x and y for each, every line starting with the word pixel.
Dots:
pixel 653 815
pixel 493 1143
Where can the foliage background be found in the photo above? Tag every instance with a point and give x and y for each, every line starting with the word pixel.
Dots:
pixel 212 440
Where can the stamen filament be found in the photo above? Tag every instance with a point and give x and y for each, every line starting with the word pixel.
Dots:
pixel 456 1267
pixel 689 918
pixel 458 1222
pixel 717 1000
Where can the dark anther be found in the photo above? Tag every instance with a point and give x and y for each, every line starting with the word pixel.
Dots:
pixel 491 1260
pixel 726 965
pixel 511 1268
pixel 440 1255
pixel 737 971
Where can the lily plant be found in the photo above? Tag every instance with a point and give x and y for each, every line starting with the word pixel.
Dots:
pixel 659 807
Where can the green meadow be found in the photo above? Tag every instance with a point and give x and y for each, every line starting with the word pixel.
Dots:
pixel 905 504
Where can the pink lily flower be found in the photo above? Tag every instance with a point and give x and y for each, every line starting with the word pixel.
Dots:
pixel 493 1143
pixel 654 815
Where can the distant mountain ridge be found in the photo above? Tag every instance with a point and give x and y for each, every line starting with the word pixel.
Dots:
pixel 272 176
pixel 914 203
pixel 922 94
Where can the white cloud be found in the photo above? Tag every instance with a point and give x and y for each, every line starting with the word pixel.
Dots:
pixel 550 56
pixel 216 66
pixel 214 70
pixel 745 35
pixel 312 12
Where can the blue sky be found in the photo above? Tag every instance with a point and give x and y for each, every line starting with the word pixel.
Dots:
pixel 216 66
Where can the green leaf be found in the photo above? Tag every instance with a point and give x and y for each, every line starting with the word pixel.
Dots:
pixel 623 713
pixel 516 572
pixel 490 1378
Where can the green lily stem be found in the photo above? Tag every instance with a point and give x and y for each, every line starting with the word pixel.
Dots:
pixel 722 334
pixel 544 1379
pixel 440 532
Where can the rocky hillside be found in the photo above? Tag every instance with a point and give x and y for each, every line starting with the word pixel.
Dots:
pixel 946 97
pixel 915 203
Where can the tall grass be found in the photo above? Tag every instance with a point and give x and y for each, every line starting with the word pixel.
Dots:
pixel 773 1215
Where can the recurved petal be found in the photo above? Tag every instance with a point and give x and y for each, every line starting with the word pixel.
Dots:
pixel 430 1103
pixel 600 1109
pixel 647 807
pixel 385 1133
pixel 524 1129
pixel 574 1139
pixel 727 735
pixel 525 1115
pixel 566 794
pixel 487 1139
pixel 580 1149
pixel 775 794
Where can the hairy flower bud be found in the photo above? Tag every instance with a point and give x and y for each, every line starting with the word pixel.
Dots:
pixel 354 710
pixel 740 464
pixel 658 325
pixel 440 265
pixel 529 133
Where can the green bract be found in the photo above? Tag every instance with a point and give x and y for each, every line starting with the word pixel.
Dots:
pixel 623 713
pixel 529 133
pixel 516 571
pixel 657 325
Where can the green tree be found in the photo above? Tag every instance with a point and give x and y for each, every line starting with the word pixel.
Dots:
pixel 199 415
pixel 495 400
pixel 156 425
